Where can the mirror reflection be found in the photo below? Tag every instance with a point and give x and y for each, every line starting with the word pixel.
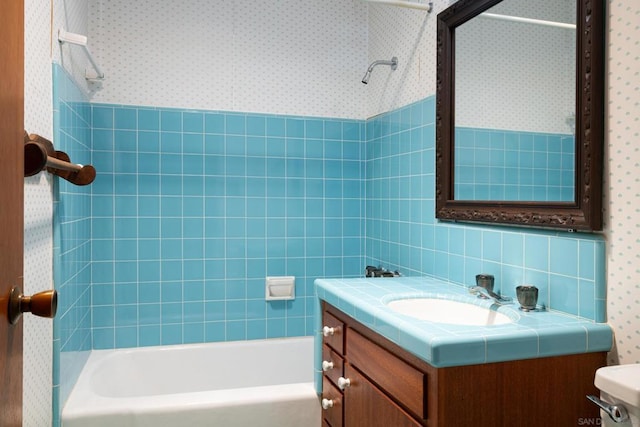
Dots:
pixel 515 103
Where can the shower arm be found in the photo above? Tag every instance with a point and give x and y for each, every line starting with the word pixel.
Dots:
pixel 393 63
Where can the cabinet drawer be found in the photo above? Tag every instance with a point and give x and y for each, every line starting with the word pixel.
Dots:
pixel 332 415
pixel 331 356
pixel 335 334
pixel 363 399
pixel 393 375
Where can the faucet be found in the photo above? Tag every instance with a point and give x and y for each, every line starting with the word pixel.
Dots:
pixel 484 289
pixel 485 293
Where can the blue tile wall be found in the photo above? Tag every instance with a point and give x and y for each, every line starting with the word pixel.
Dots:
pixel 72 240
pixel 192 209
pixel 492 164
pixel 402 232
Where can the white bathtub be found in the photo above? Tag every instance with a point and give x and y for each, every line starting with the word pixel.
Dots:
pixel 242 383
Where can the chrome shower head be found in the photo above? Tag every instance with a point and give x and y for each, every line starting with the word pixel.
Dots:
pixel 393 63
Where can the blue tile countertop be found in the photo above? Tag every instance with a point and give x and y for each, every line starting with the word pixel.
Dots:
pixel 531 335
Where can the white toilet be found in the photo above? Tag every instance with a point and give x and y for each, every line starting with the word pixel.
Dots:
pixel 619 394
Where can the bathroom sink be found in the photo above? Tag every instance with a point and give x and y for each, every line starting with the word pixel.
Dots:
pixel 448 311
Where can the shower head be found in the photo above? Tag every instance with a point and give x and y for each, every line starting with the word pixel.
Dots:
pixel 393 63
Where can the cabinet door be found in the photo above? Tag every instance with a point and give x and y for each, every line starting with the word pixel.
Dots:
pixel 365 405
pixel 393 375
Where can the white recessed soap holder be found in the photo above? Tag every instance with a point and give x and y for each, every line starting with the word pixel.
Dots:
pixel 280 288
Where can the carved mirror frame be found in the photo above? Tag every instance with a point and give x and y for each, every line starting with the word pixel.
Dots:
pixel 585 213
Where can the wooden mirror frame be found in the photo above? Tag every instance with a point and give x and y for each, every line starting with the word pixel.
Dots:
pixel 585 213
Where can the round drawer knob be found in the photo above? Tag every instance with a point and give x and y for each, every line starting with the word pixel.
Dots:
pixel 343 383
pixel 327 331
pixel 326 365
pixel 327 403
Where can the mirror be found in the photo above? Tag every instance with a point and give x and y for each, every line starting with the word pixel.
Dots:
pixel 510 147
pixel 522 147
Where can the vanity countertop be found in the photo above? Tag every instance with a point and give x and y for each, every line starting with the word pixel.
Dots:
pixel 531 335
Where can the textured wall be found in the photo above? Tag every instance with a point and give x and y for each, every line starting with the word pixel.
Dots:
pixel 410 35
pixel 287 57
pixel 38 214
pixel 622 186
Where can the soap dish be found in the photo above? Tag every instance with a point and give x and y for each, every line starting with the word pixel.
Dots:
pixel 280 288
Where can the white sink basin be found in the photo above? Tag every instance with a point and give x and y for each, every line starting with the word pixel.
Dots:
pixel 448 311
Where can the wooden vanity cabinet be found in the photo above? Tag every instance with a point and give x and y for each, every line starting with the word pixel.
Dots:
pixel 389 387
pixel 333 370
